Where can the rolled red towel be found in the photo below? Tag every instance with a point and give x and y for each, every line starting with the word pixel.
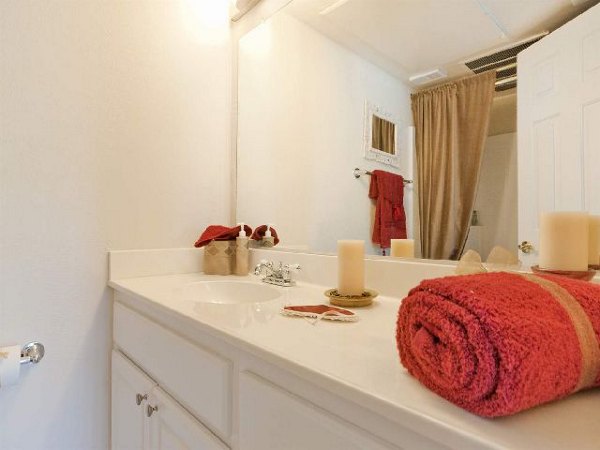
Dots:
pixel 498 343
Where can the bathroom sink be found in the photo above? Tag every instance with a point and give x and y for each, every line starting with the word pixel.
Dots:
pixel 229 292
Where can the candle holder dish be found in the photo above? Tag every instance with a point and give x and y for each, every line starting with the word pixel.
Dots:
pixel 351 301
pixel 585 275
pixel 594 267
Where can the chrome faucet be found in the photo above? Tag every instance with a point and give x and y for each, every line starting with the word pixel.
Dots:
pixel 280 275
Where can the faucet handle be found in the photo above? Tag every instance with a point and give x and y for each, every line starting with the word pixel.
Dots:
pixel 263 264
pixel 287 269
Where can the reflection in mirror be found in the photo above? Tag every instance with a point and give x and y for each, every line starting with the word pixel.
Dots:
pixel 325 87
pixel 301 133
pixel 383 135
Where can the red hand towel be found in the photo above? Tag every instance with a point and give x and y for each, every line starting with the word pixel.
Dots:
pixel 498 343
pixel 390 219
pixel 220 233
pixel 260 231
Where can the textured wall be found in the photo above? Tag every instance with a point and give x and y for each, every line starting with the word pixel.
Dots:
pixel 114 134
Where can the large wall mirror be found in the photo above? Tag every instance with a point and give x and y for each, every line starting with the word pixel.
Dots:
pixel 324 88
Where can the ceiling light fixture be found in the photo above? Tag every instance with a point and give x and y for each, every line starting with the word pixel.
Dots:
pixel 426 77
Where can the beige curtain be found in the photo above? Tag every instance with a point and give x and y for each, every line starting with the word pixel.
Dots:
pixel 451 124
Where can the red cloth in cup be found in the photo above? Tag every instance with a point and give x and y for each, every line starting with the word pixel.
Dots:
pixel 220 233
pixel 260 231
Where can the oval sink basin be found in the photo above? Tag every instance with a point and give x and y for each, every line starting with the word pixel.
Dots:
pixel 229 292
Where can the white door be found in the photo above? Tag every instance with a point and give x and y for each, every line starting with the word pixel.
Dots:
pixel 173 428
pixel 130 390
pixel 559 125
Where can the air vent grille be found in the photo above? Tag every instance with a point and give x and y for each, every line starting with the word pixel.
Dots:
pixel 506 86
pixel 502 55
pixel 505 73
pixel 504 62
pixel 496 65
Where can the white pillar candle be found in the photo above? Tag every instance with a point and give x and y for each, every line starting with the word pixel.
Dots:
pixel 403 248
pixel 351 267
pixel 594 241
pixel 564 241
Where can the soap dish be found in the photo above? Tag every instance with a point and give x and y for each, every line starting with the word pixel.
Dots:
pixel 585 275
pixel 365 299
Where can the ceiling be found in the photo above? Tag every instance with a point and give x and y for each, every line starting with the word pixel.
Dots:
pixel 408 37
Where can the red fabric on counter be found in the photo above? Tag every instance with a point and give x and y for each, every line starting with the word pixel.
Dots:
pixel 498 343
pixel 220 233
pixel 259 233
pixel 390 219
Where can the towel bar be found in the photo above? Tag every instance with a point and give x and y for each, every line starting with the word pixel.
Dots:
pixel 358 172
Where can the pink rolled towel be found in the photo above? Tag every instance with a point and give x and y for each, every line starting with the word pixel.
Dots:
pixel 498 343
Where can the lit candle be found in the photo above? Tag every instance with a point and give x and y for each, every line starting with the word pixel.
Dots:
pixel 594 241
pixel 564 241
pixel 403 248
pixel 351 267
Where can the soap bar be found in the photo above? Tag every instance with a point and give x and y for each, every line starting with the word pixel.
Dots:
pixel 325 312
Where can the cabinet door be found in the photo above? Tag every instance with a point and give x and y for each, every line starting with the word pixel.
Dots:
pixel 129 431
pixel 173 428
pixel 272 418
pixel 196 377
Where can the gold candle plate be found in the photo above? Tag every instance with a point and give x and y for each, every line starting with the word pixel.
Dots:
pixel 351 301
pixel 585 275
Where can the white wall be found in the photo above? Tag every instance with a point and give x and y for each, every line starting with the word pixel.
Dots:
pixel 114 124
pixel 496 199
pixel 300 134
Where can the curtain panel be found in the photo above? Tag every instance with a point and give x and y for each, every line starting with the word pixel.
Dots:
pixel 451 125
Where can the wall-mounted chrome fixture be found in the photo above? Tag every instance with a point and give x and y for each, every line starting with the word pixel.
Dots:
pixel 32 353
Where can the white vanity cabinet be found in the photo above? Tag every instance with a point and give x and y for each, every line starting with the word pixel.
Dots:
pixel 273 418
pixel 210 394
pixel 195 376
pixel 145 417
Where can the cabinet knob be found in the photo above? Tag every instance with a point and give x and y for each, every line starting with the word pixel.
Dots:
pixel 526 247
pixel 150 410
pixel 139 398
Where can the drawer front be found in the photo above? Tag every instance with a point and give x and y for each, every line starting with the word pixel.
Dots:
pixel 197 378
pixel 273 418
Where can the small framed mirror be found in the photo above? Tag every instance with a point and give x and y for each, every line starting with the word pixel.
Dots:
pixel 381 136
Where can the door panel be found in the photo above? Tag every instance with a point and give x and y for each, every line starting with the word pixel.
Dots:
pixel 591 154
pixel 558 132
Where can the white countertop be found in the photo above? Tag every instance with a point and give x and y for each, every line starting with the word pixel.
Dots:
pixel 360 359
